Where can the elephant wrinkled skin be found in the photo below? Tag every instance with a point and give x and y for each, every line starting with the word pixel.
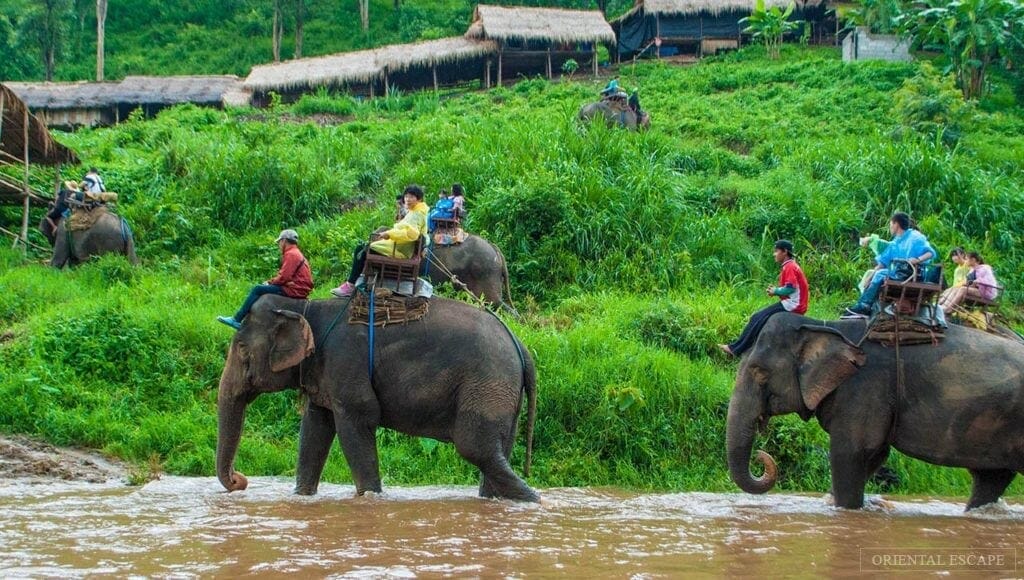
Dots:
pixel 108 235
pixel 614 114
pixel 476 263
pixel 961 403
pixel 454 376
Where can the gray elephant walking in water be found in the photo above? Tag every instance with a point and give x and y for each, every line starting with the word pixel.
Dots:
pixel 959 403
pixel 457 375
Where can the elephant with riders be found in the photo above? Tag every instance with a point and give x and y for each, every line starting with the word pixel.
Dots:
pixel 80 225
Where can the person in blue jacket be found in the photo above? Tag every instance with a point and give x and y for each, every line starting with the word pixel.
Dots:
pixel 907 244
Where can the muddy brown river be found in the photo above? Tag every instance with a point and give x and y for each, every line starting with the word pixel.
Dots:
pixel 188 527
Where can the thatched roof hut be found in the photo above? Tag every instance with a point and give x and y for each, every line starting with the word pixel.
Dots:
pixel 16 119
pixel 697 23
pixel 508 24
pixel 76 104
pixel 24 140
pixel 404 66
pixel 538 40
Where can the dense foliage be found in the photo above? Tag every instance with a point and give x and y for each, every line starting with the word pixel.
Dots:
pixel 631 254
pixel 150 37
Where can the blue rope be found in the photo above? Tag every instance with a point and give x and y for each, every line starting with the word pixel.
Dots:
pixel 369 370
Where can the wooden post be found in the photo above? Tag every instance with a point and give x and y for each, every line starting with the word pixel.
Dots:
pixel 434 68
pixel 387 89
pixel 657 34
pixel 499 65
pixel 24 215
pixel 549 63
pixel 594 53
pixel 487 74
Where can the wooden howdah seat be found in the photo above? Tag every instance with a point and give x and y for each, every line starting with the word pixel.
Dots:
pixel 394 268
pixel 909 295
pixel 982 304
pixel 446 226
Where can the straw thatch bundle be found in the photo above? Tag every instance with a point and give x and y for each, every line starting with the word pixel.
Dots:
pixel 544 24
pixel 42 147
pixel 401 57
pixel 364 66
pixel 200 90
pixel 334 69
pixel 715 7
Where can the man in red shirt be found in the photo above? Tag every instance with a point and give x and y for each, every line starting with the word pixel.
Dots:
pixel 791 291
pixel 294 279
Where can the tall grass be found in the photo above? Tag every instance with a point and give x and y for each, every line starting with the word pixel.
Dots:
pixel 631 254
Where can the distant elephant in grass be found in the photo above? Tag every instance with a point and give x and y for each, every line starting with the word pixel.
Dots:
pixel 476 263
pixel 961 405
pixel 614 114
pixel 110 234
pixel 457 375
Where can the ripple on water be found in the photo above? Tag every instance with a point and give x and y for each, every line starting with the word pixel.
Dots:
pixel 190 526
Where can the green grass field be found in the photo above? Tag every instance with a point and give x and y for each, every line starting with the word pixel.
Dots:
pixel 631 255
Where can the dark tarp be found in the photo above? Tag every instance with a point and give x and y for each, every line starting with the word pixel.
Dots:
pixel 638 30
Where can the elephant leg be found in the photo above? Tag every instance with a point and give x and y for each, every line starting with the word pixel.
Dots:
pixel 316 434
pixel 359 444
pixel 989 485
pixel 487 488
pixel 852 465
pixel 480 442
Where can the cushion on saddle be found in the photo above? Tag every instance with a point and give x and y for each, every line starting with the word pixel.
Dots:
pixel 84 218
pixel 388 308
pixel 905 331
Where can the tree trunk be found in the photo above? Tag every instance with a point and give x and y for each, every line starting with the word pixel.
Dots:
pixel 101 25
pixel 398 4
pixel 300 16
pixel 276 32
pixel 364 14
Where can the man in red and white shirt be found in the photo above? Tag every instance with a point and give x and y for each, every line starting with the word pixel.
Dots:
pixel 791 291
pixel 294 279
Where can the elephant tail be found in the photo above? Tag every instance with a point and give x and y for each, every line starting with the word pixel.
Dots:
pixel 530 386
pixel 129 242
pixel 506 301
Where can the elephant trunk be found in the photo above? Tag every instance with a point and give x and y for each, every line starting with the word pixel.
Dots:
pixel 230 417
pixel 739 435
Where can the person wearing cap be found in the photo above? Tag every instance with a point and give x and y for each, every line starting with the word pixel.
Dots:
pixel 399 241
pixel 792 293
pixel 907 244
pixel 294 279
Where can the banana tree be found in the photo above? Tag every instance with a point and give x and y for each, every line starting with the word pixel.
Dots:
pixel 769 25
pixel 972 34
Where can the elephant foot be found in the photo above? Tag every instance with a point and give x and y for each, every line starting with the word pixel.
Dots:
pixel 305 490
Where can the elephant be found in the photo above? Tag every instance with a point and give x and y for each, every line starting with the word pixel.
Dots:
pixel 476 263
pixel 960 403
pixel 615 114
pixel 109 234
pixel 457 375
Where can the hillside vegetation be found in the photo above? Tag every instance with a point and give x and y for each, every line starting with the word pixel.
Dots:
pixel 631 254
pixel 149 37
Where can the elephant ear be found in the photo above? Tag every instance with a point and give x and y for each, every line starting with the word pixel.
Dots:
pixel 292 341
pixel 826 359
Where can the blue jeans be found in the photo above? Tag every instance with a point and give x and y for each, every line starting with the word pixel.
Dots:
pixel 754 327
pixel 254 295
pixel 870 294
